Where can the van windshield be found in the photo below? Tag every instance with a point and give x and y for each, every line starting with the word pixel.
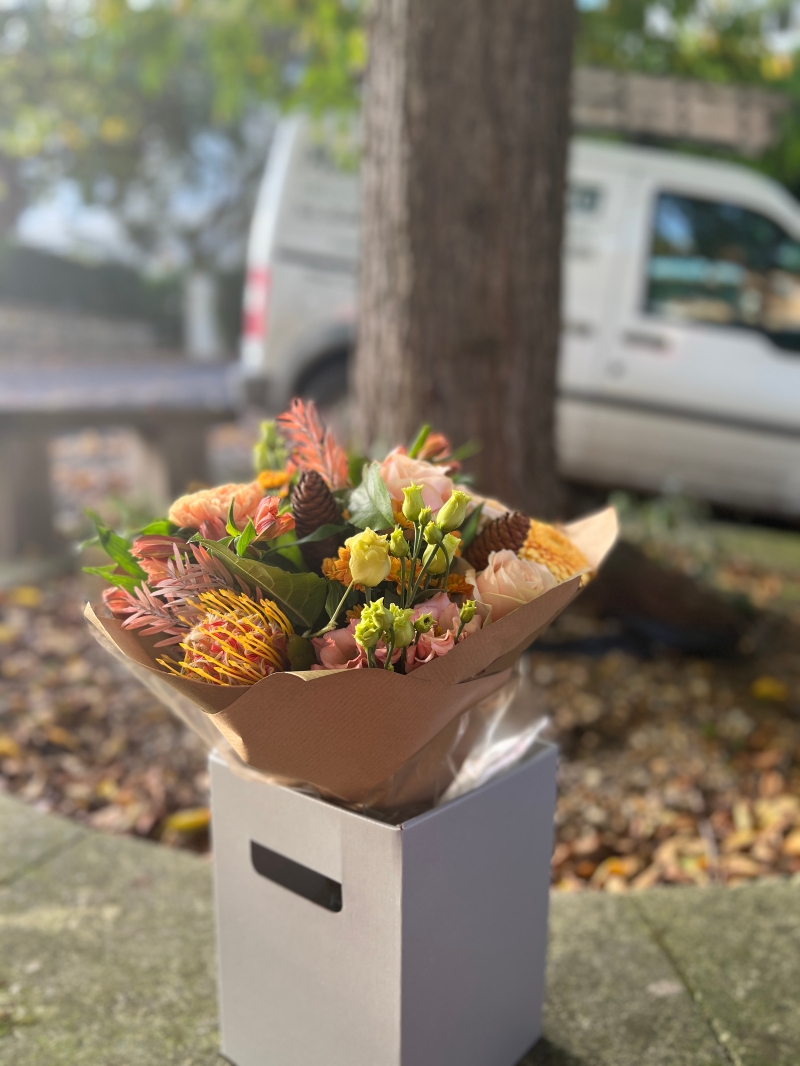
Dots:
pixel 719 263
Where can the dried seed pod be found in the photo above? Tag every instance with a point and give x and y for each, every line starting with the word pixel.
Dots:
pixel 506 533
pixel 550 547
pixel 313 506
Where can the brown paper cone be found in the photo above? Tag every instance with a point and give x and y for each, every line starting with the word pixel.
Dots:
pixel 349 731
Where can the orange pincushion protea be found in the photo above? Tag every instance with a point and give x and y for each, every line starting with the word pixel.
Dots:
pixel 549 546
pixel 236 642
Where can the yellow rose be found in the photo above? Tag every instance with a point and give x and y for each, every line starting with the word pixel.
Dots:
pixel 369 558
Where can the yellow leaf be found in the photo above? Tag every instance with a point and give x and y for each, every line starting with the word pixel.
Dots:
pixel 191 820
pixel 769 689
pixel 7 634
pixel 26 596
pixel 64 739
pixel 9 747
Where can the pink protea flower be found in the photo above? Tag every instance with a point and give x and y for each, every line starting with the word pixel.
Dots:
pixel 192 510
pixel 269 524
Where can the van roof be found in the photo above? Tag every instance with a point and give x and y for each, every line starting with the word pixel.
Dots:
pixel 730 178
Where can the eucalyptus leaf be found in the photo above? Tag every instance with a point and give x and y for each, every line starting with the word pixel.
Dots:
pixel 301 653
pixel 300 596
pixel 370 503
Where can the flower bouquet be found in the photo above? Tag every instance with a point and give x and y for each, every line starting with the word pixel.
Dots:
pixel 346 625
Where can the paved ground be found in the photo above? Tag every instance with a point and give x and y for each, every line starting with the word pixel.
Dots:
pixel 107 959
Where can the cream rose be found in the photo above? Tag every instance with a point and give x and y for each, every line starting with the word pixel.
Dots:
pixel 508 582
pixel 399 470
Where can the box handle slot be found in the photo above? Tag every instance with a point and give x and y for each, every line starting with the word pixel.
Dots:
pixel 297 878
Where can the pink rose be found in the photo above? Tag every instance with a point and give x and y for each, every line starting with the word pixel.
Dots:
pixel 399 470
pixel 269 524
pixel 508 582
pixel 209 504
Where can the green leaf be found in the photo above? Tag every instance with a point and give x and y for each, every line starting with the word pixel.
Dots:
pixel 301 596
pixel 301 653
pixel 469 530
pixel 123 581
pixel 162 527
pixel 116 547
pixel 466 451
pixel 419 443
pixel 355 467
pixel 370 503
pixel 321 534
pixel 335 592
pixel 230 525
pixel 245 537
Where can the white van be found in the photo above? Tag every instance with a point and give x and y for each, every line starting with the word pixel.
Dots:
pixel 680 362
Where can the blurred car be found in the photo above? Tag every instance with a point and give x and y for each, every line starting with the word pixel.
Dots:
pixel 680 361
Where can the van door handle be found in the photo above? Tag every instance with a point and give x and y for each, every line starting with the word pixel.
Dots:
pixel 654 342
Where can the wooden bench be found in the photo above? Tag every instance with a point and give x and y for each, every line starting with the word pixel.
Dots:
pixel 171 405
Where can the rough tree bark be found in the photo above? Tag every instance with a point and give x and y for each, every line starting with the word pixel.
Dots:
pixel 466 125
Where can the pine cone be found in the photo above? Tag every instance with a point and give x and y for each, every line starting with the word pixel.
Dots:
pixel 314 505
pixel 506 533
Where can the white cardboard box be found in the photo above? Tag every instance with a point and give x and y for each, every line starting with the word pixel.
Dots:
pixel 346 941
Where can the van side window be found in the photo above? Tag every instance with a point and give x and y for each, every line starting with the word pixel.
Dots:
pixel 722 264
pixel 583 200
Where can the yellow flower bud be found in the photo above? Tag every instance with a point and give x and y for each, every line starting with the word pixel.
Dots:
pixel 412 502
pixel 443 555
pixel 424 623
pixel 425 516
pixel 398 545
pixel 367 634
pixel 432 533
pixel 403 626
pixel 453 512
pixel 467 612
pixel 376 614
pixel 369 558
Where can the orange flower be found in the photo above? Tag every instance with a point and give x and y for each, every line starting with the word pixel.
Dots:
pixel 396 573
pixel 457 585
pixel 338 569
pixel 275 482
pixel 401 520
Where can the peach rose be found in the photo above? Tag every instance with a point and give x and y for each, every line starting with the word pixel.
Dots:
pixel 399 470
pixel 508 582
pixel 191 511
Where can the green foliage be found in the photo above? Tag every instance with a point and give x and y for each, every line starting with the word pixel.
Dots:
pixel 469 530
pixel 301 596
pixel 117 548
pixel 370 503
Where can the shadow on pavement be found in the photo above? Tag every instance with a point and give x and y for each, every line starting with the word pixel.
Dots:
pixel 546 1053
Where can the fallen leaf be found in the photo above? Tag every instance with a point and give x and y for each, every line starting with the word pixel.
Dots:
pixel 769 689
pixel 189 821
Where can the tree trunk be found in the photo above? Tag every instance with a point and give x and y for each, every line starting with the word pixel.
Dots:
pixel 467 125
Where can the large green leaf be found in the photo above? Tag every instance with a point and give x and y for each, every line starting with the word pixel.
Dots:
pixel 301 596
pixel 469 530
pixel 370 503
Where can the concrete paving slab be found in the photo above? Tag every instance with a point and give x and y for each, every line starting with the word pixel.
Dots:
pixel 738 950
pixel 613 997
pixel 107 959
pixel 27 837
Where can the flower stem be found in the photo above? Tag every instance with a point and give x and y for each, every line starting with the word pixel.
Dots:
pixel 389 652
pixel 402 582
pixel 332 624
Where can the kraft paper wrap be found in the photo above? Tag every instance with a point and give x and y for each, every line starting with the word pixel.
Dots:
pixel 347 734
